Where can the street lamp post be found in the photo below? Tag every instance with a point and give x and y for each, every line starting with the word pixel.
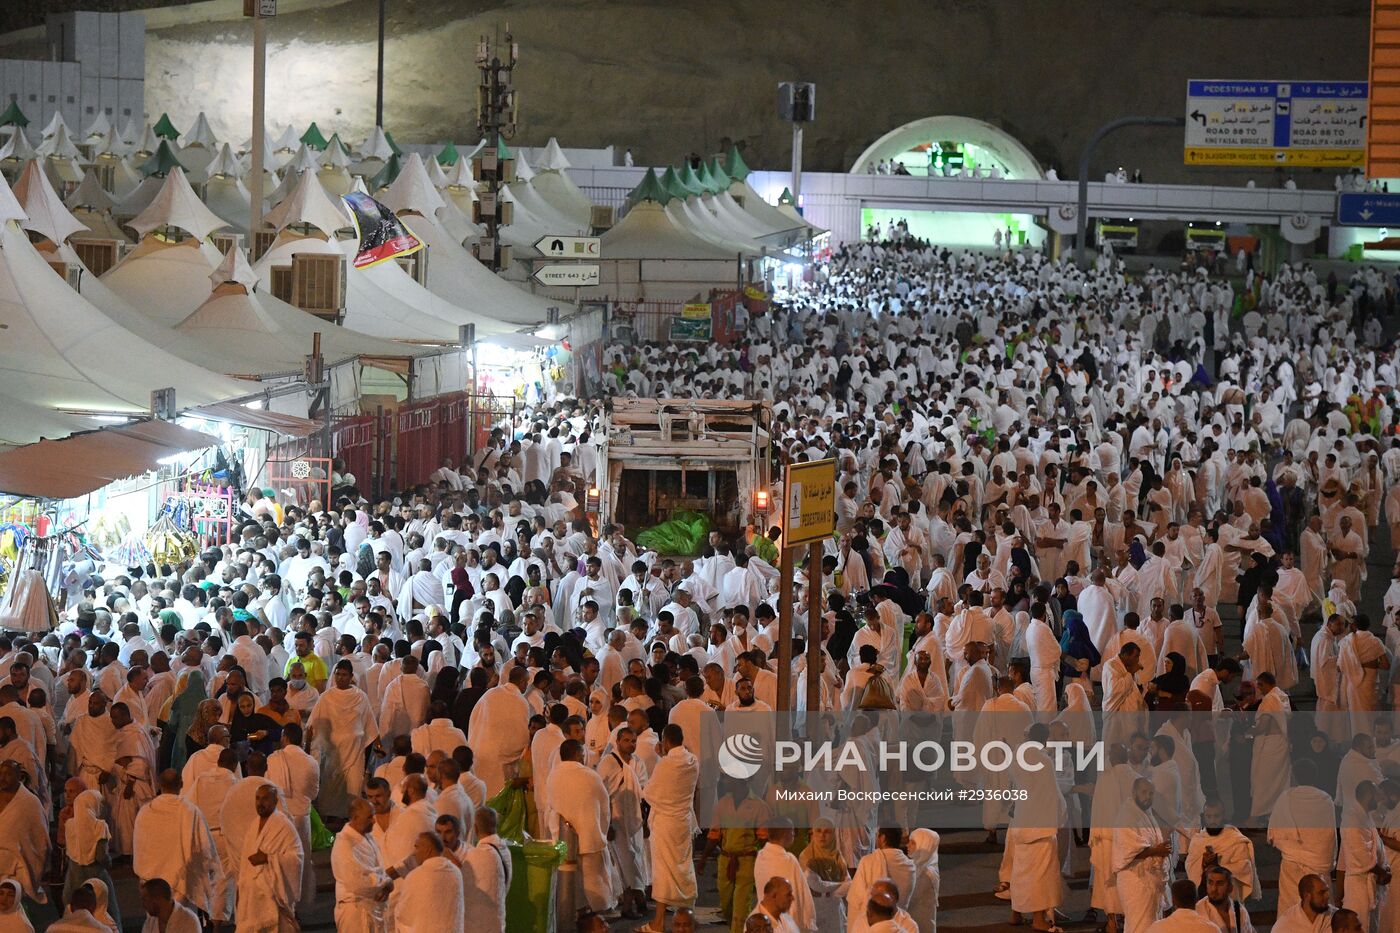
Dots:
pixel 1082 215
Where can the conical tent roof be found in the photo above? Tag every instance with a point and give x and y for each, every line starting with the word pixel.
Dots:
pixel 99 128
pixel 650 189
pixel 149 141
pixel 13 116
pixel 47 215
pixel 734 165
pixel 287 139
pixel 412 190
pixel 460 175
pixel 176 205
pixel 162 162
pixel 308 204
pixel 707 180
pixel 719 175
pixel 229 199
pixel 393 146
pixel 377 146
pixel 305 160
pixel 165 129
pixel 10 209
pixel 132 131
pixel 234 269
pixel 553 159
pixel 336 144
pixel 60 351
pixel 91 195
pixel 687 177
pixel 112 145
pixel 22 423
pixel 313 137
pixel 387 174
pixel 201 134
pixel 448 155
pixel 59 145
pixel 335 156
pixel 225 163
pixel 17 147
pixel 559 191
pixel 671 183
pixel 648 232
pixel 523 171
pixel 435 173
pixel 56 123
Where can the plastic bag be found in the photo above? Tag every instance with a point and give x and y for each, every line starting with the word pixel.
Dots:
pixel 321 837
pixel 511 817
pixel 681 536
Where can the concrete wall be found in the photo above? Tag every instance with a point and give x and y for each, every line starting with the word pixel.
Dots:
pixel 96 64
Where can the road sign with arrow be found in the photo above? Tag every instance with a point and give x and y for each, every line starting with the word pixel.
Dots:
pixel 1280 123
pixel 567 275
pixel 569 247
pixel 1368 209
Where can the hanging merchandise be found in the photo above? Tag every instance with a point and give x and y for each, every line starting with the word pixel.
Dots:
pixel 168 543
pixel 26 605
pixel 131 552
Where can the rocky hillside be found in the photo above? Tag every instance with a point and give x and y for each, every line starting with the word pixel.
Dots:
pixel 667 78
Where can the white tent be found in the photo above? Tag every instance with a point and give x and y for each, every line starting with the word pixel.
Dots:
pixel 176 205
pixel 61 352
pixel 454 273
pixel 691 215
pixel 17 148
pixel 648 232
pixel 22 423
pixel 201 134
pixel 278 335
pixel 99 129
pixel 557 190
pixel 391 312
pixel 56 125
pixel 46 214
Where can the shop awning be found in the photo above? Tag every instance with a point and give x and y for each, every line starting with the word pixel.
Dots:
pixel 83 463
pixel 258 418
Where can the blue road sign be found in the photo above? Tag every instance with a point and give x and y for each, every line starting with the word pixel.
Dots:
pixel 1368 209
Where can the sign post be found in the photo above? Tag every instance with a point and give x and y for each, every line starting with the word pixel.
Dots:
pixel 1314 124
pixel 809 517
pixel 1368 209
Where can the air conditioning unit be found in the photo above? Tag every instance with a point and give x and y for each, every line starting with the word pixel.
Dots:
pixel 97 255
pixel 70 273
pixel 318 284
pixel 282 283
pixel 601 217
pixel 262 242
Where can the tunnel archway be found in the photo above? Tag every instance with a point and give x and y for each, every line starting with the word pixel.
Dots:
pixel 951 141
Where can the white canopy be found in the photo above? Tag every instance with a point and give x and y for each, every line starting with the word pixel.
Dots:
pixel 308 204
pixel 47 215
pixel 225 163
pixel 377 146
pixel 412 190
pixel 647 232
pixel 176 205
pixel 17 147
pixel 90 194
pixel 558 190
pixel 201 134
pixel 552 159
pixel 99 128
pixel 60 351
pixel 56 123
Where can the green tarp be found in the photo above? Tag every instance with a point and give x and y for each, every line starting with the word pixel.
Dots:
pixel 682 536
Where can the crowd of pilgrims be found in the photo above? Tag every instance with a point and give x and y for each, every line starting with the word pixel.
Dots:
pixel 1060 491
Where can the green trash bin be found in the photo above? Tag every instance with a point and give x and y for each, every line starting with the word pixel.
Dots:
pixel 530 901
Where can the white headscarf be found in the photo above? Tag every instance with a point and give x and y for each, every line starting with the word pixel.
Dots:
pixel 87 828
pixel 101 913
pixel 14 920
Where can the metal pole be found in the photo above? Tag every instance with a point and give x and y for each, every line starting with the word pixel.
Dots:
pixel 814 628
pixel 785 629
pixel 796 162
pixel 255 187
pixel 1082 215
pixel 379 73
